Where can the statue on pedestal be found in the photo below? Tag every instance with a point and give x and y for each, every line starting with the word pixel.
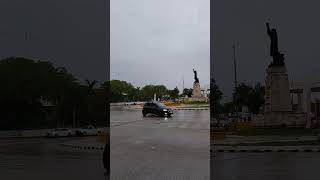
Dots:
pixel 278 58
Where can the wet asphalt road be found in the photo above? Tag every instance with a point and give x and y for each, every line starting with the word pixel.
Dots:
pixel 151 148
pixel 265 166
pixel 160 148
pixel 141 148
pixel 42 158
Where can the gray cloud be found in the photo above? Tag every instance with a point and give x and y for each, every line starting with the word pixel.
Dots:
pixel 159 42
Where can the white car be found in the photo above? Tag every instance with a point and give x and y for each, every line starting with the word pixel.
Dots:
pixel 60 132
pixel 88 131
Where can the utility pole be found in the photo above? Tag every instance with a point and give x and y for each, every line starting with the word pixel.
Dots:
pixel 26 43
pixel 235 66
pixel 235 80
pixel 182 83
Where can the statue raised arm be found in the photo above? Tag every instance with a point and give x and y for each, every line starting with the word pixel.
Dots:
pixel 274 40
pixel 268 29
pixel 278 58
pixel 195 76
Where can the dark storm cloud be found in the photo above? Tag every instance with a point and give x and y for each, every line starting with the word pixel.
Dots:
pixel 70 33
pixel 243 22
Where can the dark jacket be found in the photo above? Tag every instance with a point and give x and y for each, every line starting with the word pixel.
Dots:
pixel 106 157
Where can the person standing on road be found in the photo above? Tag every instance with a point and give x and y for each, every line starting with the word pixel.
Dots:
pixel 106 159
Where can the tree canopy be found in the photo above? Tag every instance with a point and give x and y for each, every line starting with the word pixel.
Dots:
pixel 215 98
pixel 33 89
pixel 250 96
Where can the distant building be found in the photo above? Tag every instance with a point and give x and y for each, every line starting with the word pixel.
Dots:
pixel 205 91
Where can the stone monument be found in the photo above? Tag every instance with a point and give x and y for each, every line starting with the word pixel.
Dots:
pixel 278 107
pixel 196 91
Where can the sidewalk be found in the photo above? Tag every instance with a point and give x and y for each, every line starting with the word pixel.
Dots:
pixel 233 139
pixel 259 149
pixel 235 144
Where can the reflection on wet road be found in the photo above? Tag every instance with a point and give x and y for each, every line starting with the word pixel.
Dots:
pixel 141 148
pixel 265 166
pixel 42 158
pixel 158 147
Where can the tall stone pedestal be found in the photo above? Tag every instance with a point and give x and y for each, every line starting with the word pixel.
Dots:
pixel 196 94
pixel 277 98
pixel 196 91
pixel 277 92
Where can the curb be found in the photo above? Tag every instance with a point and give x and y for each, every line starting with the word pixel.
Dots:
pixel 262 150
pixel 190 109
pixel 93 148
pixel 181 109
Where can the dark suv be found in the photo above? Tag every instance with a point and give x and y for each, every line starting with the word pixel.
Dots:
pixel 154 107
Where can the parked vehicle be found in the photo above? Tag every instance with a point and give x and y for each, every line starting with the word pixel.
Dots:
pixel 88 131
pixel 60 132
pixel 156 108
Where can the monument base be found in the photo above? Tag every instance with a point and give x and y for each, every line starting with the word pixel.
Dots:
pixel 277 93
pixel 284 119
pixel 278 108
pixel 196 99
pixel 196 91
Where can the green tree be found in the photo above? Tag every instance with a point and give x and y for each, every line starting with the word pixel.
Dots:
pixel 148 91
pixel 187 92
pixel 28 84
pixel 215 98
pixel 256 99
pixel 174 94
pixel 250 96
pixel 121 91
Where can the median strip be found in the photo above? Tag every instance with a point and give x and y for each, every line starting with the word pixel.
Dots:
pixel 193 109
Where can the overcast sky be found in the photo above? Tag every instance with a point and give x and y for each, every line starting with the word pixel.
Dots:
pixel 243 22
pixel 160 41
pixel 69 33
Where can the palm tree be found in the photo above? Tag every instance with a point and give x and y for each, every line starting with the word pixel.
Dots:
pixel 91 85
pixel 90 91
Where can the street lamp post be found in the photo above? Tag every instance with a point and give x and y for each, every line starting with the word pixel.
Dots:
pixel 235 79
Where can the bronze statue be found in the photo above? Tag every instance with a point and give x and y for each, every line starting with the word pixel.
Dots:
pixel 274 40
pixel 278 58
pixel 196 80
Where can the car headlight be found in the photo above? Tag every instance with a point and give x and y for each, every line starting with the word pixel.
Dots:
pixel 165 110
